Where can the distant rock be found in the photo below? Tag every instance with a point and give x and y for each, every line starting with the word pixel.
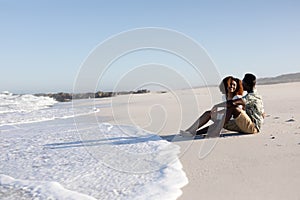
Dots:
pixel 87 95
pixel 285 78
pixel 141 91
pixel 61 96
pixel 104 94
pixel 65 97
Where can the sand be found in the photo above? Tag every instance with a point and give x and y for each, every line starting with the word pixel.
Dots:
pixel 260 166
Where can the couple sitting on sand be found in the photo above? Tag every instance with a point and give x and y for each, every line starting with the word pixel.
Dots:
pixel 238 113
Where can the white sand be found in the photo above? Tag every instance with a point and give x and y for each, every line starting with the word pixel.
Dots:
pixel 261 166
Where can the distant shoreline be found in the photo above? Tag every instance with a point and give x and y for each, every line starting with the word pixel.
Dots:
pixel 68 96
pixel 284 78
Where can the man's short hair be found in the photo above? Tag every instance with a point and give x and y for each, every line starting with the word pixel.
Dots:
pixel 250 79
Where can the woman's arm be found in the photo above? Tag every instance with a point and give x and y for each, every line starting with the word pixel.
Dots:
pixel 229 103
pixel 238 102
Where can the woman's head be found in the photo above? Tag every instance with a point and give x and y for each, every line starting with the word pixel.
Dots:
pixel 231 85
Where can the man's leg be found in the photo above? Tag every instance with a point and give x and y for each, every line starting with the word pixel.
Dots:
pixel 245 124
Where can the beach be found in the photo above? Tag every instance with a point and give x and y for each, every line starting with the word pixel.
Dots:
pixel 261 166
pixel 145 126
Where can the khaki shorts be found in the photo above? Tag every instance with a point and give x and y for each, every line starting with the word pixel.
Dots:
pixel 242 123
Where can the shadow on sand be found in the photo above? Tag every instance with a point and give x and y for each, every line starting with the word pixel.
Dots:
pixel 176 138
pixel 132 140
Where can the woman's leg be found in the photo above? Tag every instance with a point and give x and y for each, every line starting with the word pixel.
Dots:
pixel 202 131
pixel 215 128
pixel 202 120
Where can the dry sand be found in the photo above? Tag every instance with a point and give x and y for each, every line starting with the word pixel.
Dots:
pixel 260 166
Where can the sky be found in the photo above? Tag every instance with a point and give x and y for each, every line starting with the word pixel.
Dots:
pixel 44 44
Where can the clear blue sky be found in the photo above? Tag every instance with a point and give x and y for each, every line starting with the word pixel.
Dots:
pixel 43 43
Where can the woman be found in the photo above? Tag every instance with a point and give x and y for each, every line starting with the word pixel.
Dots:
pixel 232 88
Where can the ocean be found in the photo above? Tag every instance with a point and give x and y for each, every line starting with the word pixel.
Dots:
pixel 46 154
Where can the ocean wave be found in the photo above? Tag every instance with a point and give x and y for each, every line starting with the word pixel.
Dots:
pixel 58 111
pixel 11 103
pixel 22 109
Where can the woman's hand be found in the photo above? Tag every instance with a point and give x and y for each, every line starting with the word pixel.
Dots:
pixel 213 113
pixel 217 113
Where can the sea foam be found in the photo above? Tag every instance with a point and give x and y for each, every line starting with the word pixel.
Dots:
pixel 20 189
pixel 59 160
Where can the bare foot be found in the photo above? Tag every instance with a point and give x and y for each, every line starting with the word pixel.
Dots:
pixel 186 133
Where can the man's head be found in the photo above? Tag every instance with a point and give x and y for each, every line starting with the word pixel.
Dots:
pixel 249 82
